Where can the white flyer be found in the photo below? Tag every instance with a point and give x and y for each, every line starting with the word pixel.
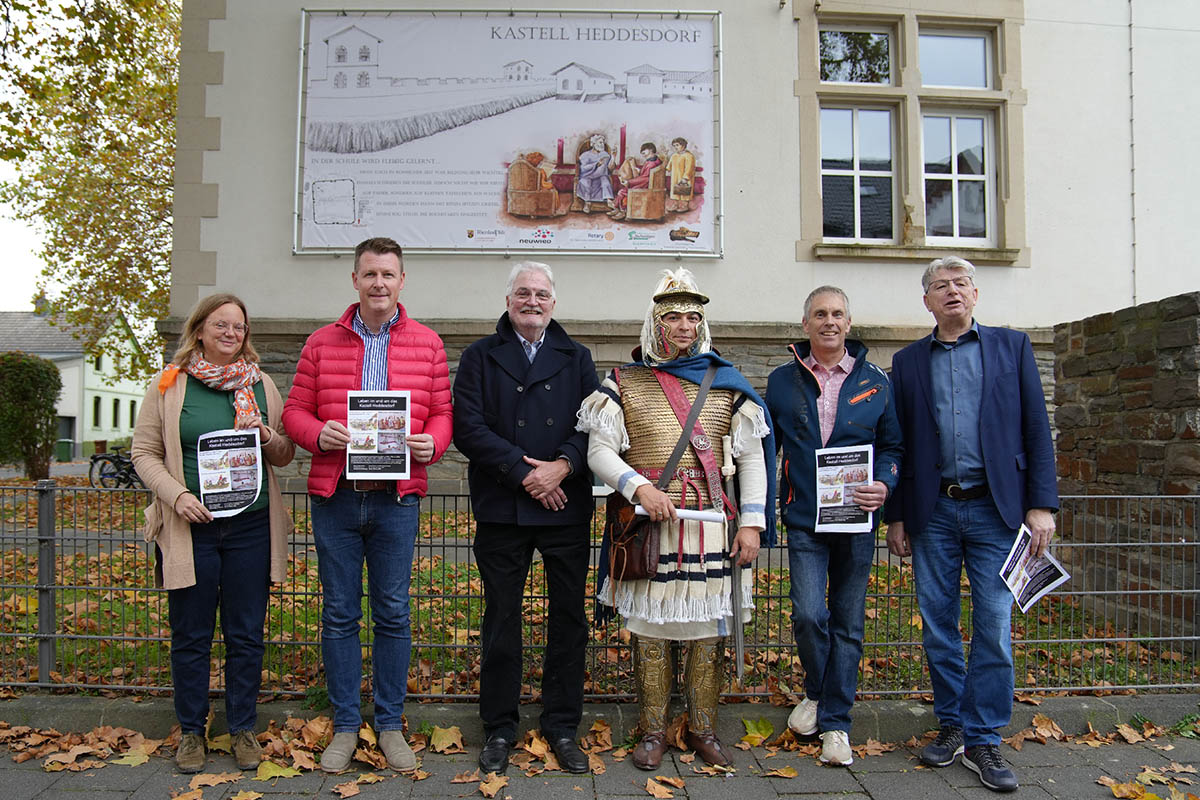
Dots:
pixel 379 424
pixel 1029 578
pixel 230 467
pixel 839 471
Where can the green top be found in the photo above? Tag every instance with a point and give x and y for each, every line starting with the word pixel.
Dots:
pixel 206 410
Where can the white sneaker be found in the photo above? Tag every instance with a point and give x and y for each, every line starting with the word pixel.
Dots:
pixel 803 719
pixel 835 748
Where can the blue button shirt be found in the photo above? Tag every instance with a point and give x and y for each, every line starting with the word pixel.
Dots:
pixel 375 353
pixel 956 374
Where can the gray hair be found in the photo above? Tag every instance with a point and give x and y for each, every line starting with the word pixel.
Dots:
pixel 949 262
pixel 529 266
pixel 825 290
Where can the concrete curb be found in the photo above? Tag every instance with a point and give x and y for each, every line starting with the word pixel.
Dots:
pixel 885 720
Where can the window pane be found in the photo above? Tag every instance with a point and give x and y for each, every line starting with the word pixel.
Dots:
pixel 937 144
pixel 939 212
pixel 837 203
pixel 875 204
pixel 837 142
pixel 954 61
pixel 972 212
pixel 969 146
pixel 875 140
pixel 855 57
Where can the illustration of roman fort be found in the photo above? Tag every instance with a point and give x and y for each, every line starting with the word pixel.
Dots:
pixel 416 107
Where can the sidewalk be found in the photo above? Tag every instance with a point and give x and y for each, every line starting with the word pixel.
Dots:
pixel 1053 770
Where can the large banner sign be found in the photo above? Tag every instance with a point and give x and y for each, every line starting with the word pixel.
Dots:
pixel 501 131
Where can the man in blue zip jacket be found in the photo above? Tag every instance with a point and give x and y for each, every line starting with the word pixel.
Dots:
pixel 830 396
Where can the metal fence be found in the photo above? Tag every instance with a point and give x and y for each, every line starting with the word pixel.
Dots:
pixel 78 607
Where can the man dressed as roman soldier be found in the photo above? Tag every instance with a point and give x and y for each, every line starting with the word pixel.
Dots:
pixel 634 422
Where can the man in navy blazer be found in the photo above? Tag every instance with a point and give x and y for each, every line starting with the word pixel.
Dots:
pixel 978 463
pixel 515 398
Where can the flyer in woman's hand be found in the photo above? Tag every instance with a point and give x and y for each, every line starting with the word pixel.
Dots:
pixel 230 466
pixel 379 424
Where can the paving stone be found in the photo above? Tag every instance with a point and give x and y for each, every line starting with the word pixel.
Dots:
pixel 916 785
pixel 25 784
pixel 1064 782
pixel 701 787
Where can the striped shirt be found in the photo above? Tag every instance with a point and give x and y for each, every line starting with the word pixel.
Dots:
pixel 831 381
pixel 375 353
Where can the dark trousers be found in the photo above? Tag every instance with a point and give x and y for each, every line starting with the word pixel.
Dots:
pixel 232 558
pixel 504 554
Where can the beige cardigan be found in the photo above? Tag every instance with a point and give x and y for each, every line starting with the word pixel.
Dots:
pixel 158 458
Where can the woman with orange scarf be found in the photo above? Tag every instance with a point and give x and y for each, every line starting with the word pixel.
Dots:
pixel 206 562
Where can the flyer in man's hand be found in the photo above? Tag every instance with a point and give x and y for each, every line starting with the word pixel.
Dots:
pixel 230 463
pixel 379 424
pixel 1029 578
pixel 839 471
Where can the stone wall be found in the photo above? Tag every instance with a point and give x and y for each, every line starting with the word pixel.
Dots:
pixel 1128 417
pixel 756 348
pixel 1128 400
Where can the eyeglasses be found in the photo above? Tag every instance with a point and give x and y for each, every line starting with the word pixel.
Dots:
pixel 222 326
pixel 941 287
pixel 542 295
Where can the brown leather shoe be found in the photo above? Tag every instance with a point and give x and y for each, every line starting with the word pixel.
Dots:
pixel 649 751
pixel 709 747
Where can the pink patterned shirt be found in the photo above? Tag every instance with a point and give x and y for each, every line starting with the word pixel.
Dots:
pixel 830 381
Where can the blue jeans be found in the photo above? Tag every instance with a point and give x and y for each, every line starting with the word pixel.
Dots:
pixel 829 635
pixel 975 695
pixel 232 558
pixel 350 527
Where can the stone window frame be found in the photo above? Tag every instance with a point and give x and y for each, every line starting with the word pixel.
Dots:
pixel 1000 20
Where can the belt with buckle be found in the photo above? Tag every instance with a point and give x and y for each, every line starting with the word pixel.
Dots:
pixel 956 492
pixel 366 486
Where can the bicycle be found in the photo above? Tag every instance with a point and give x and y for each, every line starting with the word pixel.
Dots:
pixel 114 470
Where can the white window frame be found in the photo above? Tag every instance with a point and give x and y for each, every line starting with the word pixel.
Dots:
pixel 989 57
pixel 999 22
pixel 987 178
pixel 857 173
pixel 836 28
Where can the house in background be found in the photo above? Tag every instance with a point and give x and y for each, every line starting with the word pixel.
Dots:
pixel 97 403
pixel 577 81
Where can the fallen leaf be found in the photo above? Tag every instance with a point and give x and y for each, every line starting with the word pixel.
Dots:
pixel 1047 727
pixel 873 747
pixel 1150 776
pixel 368 735
pixel 535 744
pixel 194 794
pixel 246 794
pixel 1177 767
pixel 670 781
pixel 133 758
pixel 347 789
pixel 269 771
pixel 222 743
pixel 1029 699
pixel 711 769
pixel 783 772
pixel 596 764
pixel 1125 791
pixel 418 775
pixel 657 789
pixel 466 777
pixel 493 783
pixel 1129 734
pixel 214 779
pixel 372 758
pixel 446 740
pixel 757 731
pixel 302 759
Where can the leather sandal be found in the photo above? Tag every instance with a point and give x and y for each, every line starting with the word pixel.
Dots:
pixel 649 751
pixel 709 747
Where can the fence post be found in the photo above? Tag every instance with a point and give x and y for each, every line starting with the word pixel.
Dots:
pixel 46 581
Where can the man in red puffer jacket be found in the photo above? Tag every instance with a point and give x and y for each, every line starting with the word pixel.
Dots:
pixel 374 346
